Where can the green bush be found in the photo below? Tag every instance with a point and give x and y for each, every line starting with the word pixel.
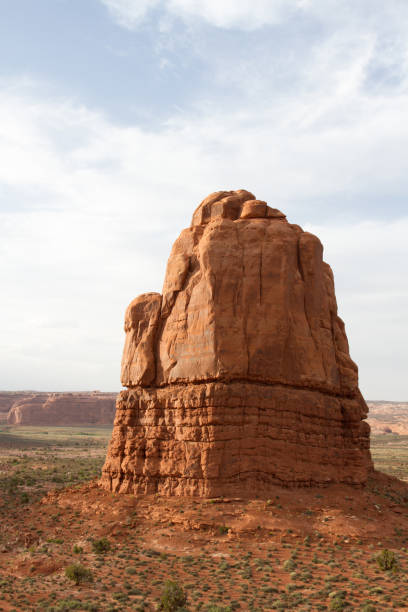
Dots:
pixel 289 565
pixel 101 546
pixel 65 605
pixel 387 560
pixel 78 573
pixel 337 603
pixel 173 598
pixel 77 549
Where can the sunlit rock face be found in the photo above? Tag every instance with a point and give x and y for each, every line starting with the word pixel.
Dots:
pixel 238 375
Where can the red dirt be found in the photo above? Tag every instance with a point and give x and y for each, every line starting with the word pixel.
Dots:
pixel 338 522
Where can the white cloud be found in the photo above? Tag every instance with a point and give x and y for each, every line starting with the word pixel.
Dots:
pixel 369 264
pixel 242 14
pixel 316 124
pixel 90 208
pixel 254 14
pixel 129 13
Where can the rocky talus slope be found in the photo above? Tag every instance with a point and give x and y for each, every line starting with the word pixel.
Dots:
pixel 238 375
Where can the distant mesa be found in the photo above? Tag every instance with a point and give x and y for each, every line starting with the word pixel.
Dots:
pixel 238 375
pixel 53 409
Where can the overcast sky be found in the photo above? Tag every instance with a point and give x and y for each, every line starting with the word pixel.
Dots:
pixel 117 117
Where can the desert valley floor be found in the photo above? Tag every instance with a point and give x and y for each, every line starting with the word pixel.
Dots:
pixel 302 549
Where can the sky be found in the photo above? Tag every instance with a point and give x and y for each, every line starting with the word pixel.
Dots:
pixel 117 117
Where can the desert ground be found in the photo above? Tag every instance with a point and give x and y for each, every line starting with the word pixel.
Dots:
pixel 302 549
pixel 388 417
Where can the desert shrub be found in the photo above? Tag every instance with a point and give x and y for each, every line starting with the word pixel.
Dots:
pixel 101 546
pixel 219 609
pixel 223 529
pixel 368 608
pixel 77 549
pixel 64 605
pixel 289 565
pixel 173 597
pixel 78 573
pixel 337 603
pixel 377 590
pixel 270 589
pixel 387 560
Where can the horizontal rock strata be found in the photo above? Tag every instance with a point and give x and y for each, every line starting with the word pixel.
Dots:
pixel 227 439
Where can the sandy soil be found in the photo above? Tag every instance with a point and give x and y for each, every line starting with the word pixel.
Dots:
pixel 304 549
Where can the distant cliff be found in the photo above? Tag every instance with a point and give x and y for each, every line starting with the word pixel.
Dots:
pixel 93 408
pixel 8 398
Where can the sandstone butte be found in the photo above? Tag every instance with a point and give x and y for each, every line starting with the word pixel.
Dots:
pixel 238 375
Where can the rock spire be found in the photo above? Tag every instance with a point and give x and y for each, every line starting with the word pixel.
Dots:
pixel 238 375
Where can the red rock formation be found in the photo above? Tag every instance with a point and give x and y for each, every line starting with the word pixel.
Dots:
pixel 239 374
pixel 63 409
pixel 8 398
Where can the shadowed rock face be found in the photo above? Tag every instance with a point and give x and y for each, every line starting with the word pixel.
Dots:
pixel 239 374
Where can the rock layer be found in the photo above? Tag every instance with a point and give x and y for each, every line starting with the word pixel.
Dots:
pixel 8 398
pixel 239 374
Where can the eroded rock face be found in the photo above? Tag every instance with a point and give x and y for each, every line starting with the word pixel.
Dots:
pixel 239 374
pixel 8 398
